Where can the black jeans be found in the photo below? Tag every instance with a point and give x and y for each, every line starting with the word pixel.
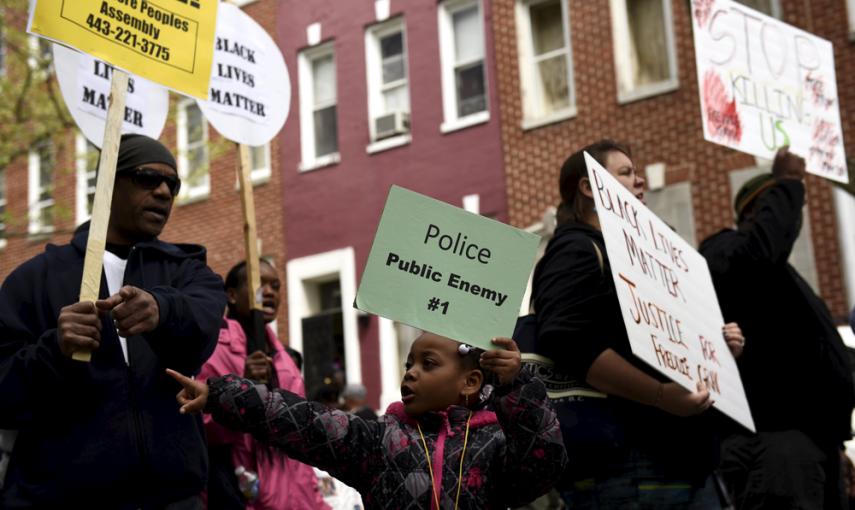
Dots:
pixel 782 470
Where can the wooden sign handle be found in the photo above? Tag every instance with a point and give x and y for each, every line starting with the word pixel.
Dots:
pixel 94 260
pixel 257 337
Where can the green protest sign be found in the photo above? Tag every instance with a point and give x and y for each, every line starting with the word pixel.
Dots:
pixel 445 270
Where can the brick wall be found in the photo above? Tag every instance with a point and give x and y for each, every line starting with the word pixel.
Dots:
pixel 664 128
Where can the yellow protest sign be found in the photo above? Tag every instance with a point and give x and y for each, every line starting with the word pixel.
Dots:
pixel 170 42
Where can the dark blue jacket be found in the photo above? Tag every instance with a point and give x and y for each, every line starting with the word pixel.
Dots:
pixel 105 434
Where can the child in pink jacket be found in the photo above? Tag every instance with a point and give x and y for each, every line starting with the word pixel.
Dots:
pixel 438 448
pixel 284 483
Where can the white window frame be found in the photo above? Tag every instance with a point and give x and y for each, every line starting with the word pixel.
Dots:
pixel 653 89
pixel 307 107
pixel 188 193
pixel 445 14
pixel 4 204
pixel 374 74
pixel 34 187
pixel 82 172
pixel 303 275
pixel 530 90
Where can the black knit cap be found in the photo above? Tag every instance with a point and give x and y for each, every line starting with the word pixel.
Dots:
pixel 750 191
pixel 137 150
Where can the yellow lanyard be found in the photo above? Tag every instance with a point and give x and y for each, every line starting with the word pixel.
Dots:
pixel 459 471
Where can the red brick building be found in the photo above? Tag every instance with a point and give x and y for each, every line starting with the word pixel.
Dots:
pixel 207 212
pixel 625 69
pixel 388 92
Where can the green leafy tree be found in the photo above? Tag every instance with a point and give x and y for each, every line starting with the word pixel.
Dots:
pixel 31 106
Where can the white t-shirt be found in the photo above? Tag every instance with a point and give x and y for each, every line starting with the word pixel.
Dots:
pixel 114 270
pixel 336 494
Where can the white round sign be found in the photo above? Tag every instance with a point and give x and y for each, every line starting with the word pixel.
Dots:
pixel 85 85
pixel 250 90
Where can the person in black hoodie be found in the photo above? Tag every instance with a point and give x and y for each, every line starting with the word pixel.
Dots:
pixel 107 434
pixel 795 371
pixel 635 439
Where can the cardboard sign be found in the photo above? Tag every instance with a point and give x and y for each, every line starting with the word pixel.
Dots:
pixel 764 84
pixel 667 297
pixel 250 89
pixel 170 42
pixel 442 269
pixel 85 85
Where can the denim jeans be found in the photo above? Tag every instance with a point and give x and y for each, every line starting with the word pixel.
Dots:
pixel 642 485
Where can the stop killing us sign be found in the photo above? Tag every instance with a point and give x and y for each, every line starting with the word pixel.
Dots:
pixel 764 84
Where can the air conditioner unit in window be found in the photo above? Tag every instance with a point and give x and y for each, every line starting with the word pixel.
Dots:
pixel 391 124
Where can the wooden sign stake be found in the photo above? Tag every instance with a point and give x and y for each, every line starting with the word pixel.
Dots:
pixel 94 260
pixel 256 339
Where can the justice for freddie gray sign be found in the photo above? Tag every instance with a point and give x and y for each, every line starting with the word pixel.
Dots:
pixel 667 298
pixel 445 270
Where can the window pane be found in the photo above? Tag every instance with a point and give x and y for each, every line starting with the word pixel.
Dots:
pixel 648 42
pixel 393 69
pixel 46 216
pixel 326 131
pixel 392 45
pixel 323 80
pixel 258 157
pixel 764 6
pixel 470 90
pixel 197 161
pixel 195 126
pixel 547 27
pixel 554 90
pixel 396 99
pixel 468 40
pixel 392 57
pixel 45 172
pixel 92 157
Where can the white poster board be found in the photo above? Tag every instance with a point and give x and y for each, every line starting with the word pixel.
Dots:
pixel 764 84
pixel 85 85
pixel 667 298
pixel 250 90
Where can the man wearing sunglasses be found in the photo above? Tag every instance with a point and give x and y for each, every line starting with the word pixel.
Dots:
pixel 107 434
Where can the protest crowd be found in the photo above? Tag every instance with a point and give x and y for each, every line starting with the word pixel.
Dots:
pixel 172 389
pixel 474 428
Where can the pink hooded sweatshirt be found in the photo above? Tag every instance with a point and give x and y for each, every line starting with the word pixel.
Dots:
pixel 284 483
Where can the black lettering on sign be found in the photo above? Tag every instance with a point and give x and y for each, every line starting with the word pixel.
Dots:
pixel 191 3
pixel 236 48
pixel 238 101
pixel 99 100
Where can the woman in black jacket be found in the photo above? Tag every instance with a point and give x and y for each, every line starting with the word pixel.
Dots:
pixel 635 439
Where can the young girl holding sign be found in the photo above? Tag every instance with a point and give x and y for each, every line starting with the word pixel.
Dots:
pixel 438 448
pixel 636 439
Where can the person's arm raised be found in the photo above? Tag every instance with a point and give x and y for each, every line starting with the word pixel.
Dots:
pixel 342 444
